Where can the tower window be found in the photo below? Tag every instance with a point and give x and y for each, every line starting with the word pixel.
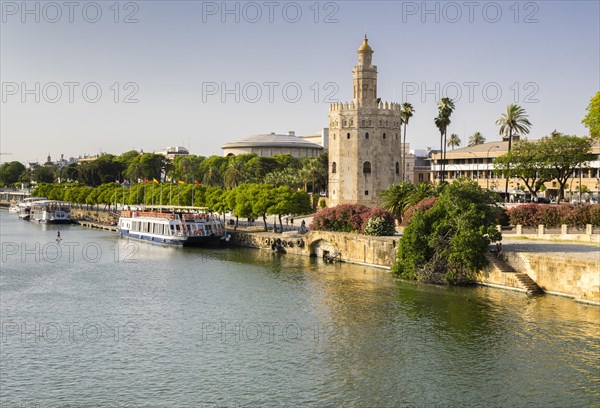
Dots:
pixel 384 135
pixel 397 168
pixel 348 136
pixel 367 168
pixel 367 135
pixel 333 167
pixel 366 192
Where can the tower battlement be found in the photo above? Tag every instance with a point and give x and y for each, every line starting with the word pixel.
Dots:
pixel 381 106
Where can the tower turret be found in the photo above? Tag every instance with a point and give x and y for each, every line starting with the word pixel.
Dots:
pixel 365 76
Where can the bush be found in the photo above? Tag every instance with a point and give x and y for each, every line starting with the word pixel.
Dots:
pixel 322 203
pixel 348 218
pixel 447 243
pixel 423 205
pixel 575 215
pixel 523 215
pixel 595 215
pixel 502 219
pixel 532 215
pixel 379 226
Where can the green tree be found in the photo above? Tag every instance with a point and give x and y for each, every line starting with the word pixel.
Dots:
pixel 447 243
pixel 592 118
pixel 43 174
pixel 11 172
pixel 563 155
pixel 476 139
pixel 527 162
pixel 147 166
pixel 513 122
pixel 234 173
pixel 454 141
pixel 186 168
pixel 264 199
pixel 406 112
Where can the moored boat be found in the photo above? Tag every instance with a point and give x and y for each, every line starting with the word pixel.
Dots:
pixel 50 212
pixel 168 225
pixel 24 207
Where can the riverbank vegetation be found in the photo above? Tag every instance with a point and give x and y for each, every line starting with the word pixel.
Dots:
pixel 246 200
pixel 354 218
pixel 532 215
pixel 308 173
pixel 446 243
pixel 555 157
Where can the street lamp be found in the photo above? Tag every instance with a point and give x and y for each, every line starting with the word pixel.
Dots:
pixel 487 156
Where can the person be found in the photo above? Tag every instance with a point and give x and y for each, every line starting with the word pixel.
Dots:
pixel 58 238
pixel 498 249
pixel 303 226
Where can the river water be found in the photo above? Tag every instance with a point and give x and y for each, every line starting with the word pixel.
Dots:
pixel 96 320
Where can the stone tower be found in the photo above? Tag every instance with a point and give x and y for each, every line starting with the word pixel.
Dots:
pixel 364 140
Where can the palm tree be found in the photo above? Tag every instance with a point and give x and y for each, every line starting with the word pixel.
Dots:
pixel 445 109
pixel 420 192
pixel 454 141
pixel 476 139
pixel 513 122
pixel 405 115
pixel 396 197
pixel 234 174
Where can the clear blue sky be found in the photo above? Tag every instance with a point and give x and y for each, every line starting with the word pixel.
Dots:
pixel 543 55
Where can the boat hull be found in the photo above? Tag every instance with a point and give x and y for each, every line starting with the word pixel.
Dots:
pixel 172 241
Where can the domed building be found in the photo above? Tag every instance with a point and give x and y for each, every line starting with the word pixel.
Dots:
pixel 272 144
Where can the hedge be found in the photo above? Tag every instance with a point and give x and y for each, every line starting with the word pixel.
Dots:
pixel 532 215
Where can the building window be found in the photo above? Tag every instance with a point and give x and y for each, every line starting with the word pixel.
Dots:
pixel 333 167
pixel 397 168
pixel 420 178
pixel 367 167
pixel 367 135
pixel 348 136
pixel 366 192
pixel 344 123
pixel 384 135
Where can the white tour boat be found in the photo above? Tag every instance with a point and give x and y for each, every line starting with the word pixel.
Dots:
pixel 50 212
pixel 168 225
pixel 24 207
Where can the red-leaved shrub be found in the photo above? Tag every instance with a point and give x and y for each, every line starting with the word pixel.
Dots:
pixel 347 218
pixel 423 205
pixel 532 215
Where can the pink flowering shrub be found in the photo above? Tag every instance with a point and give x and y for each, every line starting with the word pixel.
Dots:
pixel 423 205
pixel 348 218
pixel 531 215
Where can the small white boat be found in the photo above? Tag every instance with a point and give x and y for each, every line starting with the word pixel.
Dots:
pixel 50 212
pixel 168 225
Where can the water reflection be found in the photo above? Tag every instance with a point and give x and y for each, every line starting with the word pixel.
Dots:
pixel 247 327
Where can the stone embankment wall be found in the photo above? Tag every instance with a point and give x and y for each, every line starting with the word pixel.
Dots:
pixel 352 248
pixel 576 278
pixel 101 217
pixel 570 277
